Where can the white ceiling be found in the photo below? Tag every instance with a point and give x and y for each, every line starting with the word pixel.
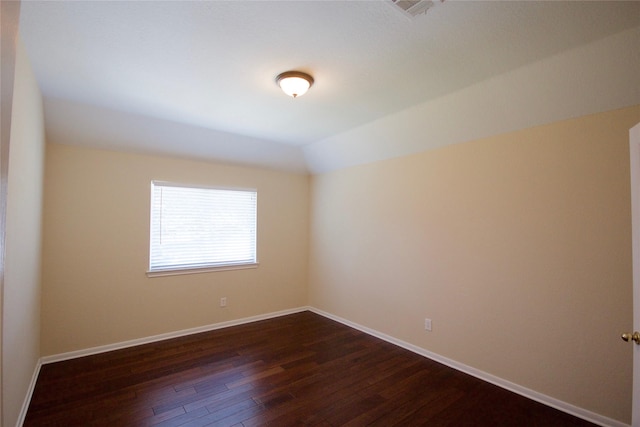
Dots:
pixel 196 78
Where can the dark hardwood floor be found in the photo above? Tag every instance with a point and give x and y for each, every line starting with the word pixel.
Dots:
pixel 301 369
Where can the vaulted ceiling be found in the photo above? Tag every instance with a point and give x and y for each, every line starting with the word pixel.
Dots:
pixel 196 78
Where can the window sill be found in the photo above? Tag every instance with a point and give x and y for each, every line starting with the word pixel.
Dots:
pixel 180 271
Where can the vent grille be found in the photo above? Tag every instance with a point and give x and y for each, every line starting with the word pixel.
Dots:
pixel 414 8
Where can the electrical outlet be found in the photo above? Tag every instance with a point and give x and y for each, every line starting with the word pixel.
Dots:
pixel 427 325
pixel 223 302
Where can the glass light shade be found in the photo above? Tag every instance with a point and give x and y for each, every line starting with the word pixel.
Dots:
pixel 294 83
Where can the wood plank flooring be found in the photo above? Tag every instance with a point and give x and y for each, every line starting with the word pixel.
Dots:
pixel 296 370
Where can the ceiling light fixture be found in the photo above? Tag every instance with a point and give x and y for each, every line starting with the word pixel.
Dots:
pixel 294 83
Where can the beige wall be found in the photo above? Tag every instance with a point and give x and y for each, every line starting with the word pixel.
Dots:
pixel 21 299
pixel 516 246
pixel 96 243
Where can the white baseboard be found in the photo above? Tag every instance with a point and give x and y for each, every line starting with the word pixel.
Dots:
pixel 523 391
pixel 147 340
pixel 27 398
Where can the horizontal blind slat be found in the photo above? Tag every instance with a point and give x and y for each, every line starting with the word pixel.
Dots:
pixel 201 226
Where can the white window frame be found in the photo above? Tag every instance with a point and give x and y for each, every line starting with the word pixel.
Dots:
pixel 198 267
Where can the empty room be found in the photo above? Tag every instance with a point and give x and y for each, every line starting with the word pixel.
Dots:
pixel 328 213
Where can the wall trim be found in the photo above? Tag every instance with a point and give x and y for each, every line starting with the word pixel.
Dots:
pixel 27 399
pixel 523 391
pixel 176 334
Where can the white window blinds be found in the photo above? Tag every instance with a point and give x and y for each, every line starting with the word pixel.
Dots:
pixel 195 227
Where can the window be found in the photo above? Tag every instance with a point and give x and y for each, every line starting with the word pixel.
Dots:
pixel 201 229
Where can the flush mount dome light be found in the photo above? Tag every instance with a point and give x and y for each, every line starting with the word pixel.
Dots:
pixel 294 83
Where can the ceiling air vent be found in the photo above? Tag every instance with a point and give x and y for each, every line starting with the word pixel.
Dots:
pixel 414 8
